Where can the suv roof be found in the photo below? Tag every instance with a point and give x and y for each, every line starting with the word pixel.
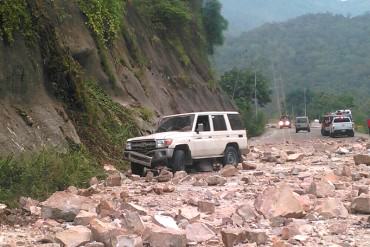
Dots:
pixel 204 112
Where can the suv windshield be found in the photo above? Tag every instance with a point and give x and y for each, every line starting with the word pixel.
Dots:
pixel 176 123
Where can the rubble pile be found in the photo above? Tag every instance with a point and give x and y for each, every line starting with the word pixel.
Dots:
pixel 316 194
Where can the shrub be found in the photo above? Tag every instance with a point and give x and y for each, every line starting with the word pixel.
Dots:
pixel 104 17
pixel 40 174
pixel 14 17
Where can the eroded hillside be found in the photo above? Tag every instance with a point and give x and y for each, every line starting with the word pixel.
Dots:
pixel 97 73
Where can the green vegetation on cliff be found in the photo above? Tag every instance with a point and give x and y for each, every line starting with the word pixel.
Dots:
pixel 14 17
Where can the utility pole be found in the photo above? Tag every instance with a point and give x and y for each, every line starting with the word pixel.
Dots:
pixel 255 93
pixel 305 102
pixel 235 84
pixel 277 90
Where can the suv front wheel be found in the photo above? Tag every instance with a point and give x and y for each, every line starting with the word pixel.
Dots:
pixel 178 160
pixel 137 169
pixel 231 156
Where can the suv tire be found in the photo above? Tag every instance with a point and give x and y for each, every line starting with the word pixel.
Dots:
pixel 351 133
pixel 137 169
pixel 231 156
pixel 178 160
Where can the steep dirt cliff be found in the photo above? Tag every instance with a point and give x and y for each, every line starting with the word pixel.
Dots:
pixel 60 84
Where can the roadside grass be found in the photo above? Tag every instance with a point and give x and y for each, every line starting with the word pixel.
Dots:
pixel 40 174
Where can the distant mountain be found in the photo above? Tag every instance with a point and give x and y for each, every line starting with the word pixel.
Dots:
pixel 321 52
pixel 244 15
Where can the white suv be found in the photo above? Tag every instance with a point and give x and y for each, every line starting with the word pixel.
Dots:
pixel 342 126
pixel 181 139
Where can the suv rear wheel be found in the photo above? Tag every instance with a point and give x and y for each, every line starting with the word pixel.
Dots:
pixel 137 169
pixel 178 160
pixel 231 156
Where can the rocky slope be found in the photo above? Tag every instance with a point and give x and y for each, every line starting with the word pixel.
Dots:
pixel 315 194
pixel 57 84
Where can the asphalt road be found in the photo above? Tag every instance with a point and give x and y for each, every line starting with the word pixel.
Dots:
pixel 282 136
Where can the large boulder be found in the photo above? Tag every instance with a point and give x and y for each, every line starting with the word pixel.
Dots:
pixel 74 236
pixel 362 159
pixel 322 189
pixel 198 232
pixel 361 204
pixel 127 241
pixel 162 237
pixel 64 205
pixel 279 201
pixel 233 236
pixel 331 208
pixel 229 171
pixel 105 232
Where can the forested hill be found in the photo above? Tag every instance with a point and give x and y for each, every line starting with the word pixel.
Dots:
pixel 244 15
pixel 320 52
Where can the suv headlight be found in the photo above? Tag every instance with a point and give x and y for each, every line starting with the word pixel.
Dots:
pixel 163 143
pixel 128 146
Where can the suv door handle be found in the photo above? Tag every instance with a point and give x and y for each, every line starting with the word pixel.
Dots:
pixel 227 136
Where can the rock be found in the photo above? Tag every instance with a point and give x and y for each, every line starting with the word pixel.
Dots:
pixel 168 188
pixel 158 189
pixel 29 205
pixel 198 232
pixel 83 218
pixel 161 237
pixel 232 237
pixel 133 207
pixel 104 232
pixel 361 204
pixel 109 169
pixel 322 189
pixel 257 236
pixel 331 208
pixel 338 228
pixel 165 221
pixel 65 206
pixel 200 182
pixel 342 151
pixel 206 207
pixel 189 213
pixel 149 176
pixel 127 241
pixel 279 201
pixel 93 181
pixel 295 157
pixel 133 222
pixel 105 208
pixel 247 212
pixel 179 176
pixel 94 244
pixel 248 166
pixel 362 159
pixel 74 236
pixel 113 180
pixel 214 180
pixel 164 176
pixel 72 189
pixel 229 171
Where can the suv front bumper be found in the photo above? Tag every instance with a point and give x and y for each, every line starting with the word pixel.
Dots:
pixel 150 159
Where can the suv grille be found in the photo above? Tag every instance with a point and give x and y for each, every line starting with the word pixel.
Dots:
pixel 143 146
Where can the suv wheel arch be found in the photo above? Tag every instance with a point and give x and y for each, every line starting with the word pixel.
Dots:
pixel 236 147
pixel 188 157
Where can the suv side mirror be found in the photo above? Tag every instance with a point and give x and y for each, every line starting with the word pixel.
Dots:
pixel 200 127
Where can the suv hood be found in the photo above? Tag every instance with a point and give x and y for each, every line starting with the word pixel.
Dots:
pixel 163 135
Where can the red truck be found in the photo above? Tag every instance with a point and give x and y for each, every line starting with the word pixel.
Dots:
pixel 368 125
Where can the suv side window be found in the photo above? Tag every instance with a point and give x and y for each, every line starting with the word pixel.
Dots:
pixel 219 123
pixel 205 121
pixel 235 122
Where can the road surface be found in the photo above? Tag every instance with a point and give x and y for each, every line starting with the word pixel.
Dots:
pixel 282 136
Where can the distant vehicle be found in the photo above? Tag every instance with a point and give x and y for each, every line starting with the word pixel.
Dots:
pixel 368 125
pixel 302 123
pixel 341 125
pixel 285 122
pixel 346 113
pixel 316 121
pixel 325 124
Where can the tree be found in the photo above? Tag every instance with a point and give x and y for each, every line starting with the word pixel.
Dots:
pixel 240 85
pixel 214 23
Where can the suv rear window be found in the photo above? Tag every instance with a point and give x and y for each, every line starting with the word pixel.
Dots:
pixel 235 122
pixel 219 123
pixel 342 120
pixel 301 120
